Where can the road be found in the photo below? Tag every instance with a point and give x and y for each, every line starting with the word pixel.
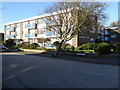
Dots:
pixel 28 71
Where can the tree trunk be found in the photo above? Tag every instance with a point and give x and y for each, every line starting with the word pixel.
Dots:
pixel 58 49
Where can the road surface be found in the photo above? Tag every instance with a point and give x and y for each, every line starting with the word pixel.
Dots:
pixel 28 71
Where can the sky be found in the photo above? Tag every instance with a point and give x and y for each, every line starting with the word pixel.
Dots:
pixel 13 11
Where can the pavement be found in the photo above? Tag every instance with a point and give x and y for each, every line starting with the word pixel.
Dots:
pixel 29 71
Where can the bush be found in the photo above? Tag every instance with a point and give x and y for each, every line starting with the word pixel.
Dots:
pixel 33 46
pixel 69 47
pixel 103 48
pixel 117 47
pixel 14 47
pixel 98 41
pixel 112 47
pixel 95 46
pixel 85 46
pixel 79 48
pixel 56 43
pixel 25 45
pixel 64 46
pixel 19 45
pixel 9 43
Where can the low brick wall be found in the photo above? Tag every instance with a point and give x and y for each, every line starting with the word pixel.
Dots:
pixel 34 51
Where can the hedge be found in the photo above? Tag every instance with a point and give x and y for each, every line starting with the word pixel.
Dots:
pixel 117 47
pixel 64 46
pixel 33 46
pixel 69 47
pixel 103 48
pixel 85 46
pixel 56 43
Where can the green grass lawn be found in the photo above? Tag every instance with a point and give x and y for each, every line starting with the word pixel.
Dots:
pixel 85 51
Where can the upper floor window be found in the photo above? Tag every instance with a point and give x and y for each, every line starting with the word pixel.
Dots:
pixel 40 21
pixel 18 25
pixel 107 38
pixel 107 32
pixel 113 36
pixel 41 31
pixel 17 33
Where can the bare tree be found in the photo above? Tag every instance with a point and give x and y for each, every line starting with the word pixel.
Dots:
pixel 114 24
pixel 67 19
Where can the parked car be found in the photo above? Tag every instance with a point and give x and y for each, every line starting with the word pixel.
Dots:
pixel 3 48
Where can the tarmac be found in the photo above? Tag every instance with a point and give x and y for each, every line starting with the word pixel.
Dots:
pixel 30 71
pixel 97 60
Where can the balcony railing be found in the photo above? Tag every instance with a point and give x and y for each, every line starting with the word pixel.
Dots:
pixel 30 26
pixel 8 36
pixel 49 45
pixel 27 35
pixel 10 29
pixel 49 33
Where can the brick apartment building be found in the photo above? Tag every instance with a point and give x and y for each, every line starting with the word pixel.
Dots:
pixel 34 30
pixel 110 35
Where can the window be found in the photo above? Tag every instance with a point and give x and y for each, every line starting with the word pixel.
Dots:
pixel 27 35
pixel 83 37
pixel 17 32
pixel 41 31
pixel 92 40
pixel 50 33
pixel 48 22
pixel 107 32
pixel 32 34
pixel 40 21
pixel 18 25
pixel 107 38
pixel 113 36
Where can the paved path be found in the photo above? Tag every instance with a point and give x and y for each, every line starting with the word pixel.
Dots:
pixel 25 71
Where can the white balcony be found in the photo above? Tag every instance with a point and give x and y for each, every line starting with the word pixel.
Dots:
pixel 10 29
pixel 30 26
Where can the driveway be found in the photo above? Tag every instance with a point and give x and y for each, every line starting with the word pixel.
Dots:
pixel 27 71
